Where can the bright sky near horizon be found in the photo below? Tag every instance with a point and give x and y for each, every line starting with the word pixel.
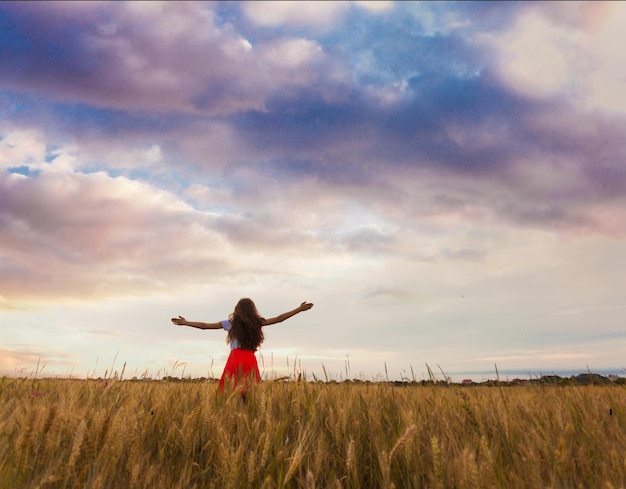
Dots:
pixel 445 181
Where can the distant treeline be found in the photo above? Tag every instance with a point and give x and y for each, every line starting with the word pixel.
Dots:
pixel 580 379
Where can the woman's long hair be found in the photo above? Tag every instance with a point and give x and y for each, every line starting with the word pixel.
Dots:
pixel 246 325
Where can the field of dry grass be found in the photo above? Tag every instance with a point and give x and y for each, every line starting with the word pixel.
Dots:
pixel 57 433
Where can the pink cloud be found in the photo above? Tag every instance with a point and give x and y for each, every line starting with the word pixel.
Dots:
pixel 170 56
pixel 567 50
pixel 313 15
pixel 76 235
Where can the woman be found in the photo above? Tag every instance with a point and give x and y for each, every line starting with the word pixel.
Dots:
pixel 245 335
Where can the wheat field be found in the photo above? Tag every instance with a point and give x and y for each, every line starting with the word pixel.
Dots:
pixel 68 433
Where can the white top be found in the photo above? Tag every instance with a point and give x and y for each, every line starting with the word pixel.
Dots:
pixel 234 343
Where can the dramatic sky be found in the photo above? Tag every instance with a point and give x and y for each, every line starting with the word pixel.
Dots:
pixel 445 181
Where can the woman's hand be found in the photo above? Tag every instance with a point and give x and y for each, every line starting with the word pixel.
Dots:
pixel 181 321
pixel 305 306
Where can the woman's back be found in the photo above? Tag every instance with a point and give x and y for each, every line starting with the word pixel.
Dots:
pixel 246 326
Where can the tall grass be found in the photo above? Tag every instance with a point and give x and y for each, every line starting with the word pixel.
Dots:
pixel 62 433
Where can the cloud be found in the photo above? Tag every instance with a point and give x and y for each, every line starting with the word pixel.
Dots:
pixel 31 360
pixel 286 177
pixel 21 147
pixel 104 55
pixel 69 234
pixel 375 5
pixel 567 50
pixel 395 293
pixel 452 127
pixel 292 55
pixel 559 356
pixel 367 238
pixel 317 15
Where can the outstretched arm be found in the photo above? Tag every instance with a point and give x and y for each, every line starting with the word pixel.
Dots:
pixel 181 321
pixel 305 306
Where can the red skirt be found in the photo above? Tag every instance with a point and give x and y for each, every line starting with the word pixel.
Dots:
pixel 241 369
